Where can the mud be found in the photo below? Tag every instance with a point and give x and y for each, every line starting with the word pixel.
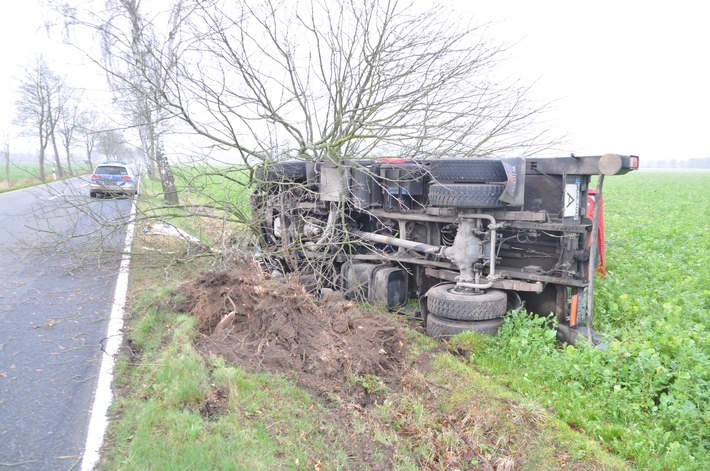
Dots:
pixel 327 343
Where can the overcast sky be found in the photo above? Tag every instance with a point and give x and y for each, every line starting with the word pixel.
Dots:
pixel 628 76
pixel 625 76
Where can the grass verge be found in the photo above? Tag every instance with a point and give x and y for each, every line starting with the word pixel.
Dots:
pixel 27 175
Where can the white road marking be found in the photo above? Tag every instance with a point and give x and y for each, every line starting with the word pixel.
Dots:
pixel 103 398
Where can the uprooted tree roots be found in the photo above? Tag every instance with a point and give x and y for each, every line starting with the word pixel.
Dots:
pixel 275 325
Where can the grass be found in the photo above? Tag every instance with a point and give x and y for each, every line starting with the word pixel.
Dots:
pixel 647 396
pixel 519 399
pixel 22 173
pixel 214 183
pixel 27 175
pixel 214 202
pixel 223 187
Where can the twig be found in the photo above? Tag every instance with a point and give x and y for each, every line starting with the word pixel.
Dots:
pixel 437 385
pixel 19 463
pixel 234 306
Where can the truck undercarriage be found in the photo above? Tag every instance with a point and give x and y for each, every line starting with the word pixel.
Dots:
pixel 470 239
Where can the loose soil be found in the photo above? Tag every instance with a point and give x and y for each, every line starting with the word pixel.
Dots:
pixel 275 325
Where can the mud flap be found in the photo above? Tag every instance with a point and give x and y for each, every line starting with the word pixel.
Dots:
pixel 571 335
pixel 514 192
pixel 423 309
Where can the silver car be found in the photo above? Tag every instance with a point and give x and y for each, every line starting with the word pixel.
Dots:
pixel 114 178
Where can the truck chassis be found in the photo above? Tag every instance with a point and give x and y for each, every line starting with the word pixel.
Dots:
pixel 470 239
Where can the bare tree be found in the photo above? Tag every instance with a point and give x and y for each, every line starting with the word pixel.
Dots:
pixel 37 106
pixel 55 113
pixel 137 75
pixel 112 144
pixel 340 81
pixel 346 79
pixel 324 80
pixel 67 127
pixel 89 128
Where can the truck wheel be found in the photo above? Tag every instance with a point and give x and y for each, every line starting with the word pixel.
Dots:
pixel 467 170
pixel 448 304
pixel 282 171
pixel 442 328
pixel 466 195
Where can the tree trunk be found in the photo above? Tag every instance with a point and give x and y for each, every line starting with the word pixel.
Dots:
pixel 167 179
pixel 152 174
pixel 88 157
pixel 69 169
pixel 42 147
pixel 42 176
pixel 147 135
pixel 6 152
pixel 57 160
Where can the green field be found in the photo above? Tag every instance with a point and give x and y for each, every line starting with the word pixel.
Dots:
pixel 643 402
pixel 24 175
pixel 20 173
pixel 647 396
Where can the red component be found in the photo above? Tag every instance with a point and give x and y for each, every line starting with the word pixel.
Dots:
pixel 126 177
pixel 591 201
pixel 393 160
pixel 574 306
pixel 634 162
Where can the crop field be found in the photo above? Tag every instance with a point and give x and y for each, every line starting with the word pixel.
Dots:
pixel 646 396
pixel 19 174
pixel 23 175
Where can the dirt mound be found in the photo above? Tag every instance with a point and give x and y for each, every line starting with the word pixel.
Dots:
pixel 275 325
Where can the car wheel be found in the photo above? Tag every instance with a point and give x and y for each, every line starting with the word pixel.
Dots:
pixel 466 195
pixel 467 170
pixel 444 302
pixel 438 327
pixel 92 194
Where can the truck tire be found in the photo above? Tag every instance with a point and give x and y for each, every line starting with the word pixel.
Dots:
pixel 448 304
pixel 467 170
pixel 443 328
pixel 466 195
pixel 291 170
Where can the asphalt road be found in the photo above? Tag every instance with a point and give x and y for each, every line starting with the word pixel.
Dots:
pixel 59 258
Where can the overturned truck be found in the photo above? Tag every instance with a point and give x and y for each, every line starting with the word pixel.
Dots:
pixel 470 239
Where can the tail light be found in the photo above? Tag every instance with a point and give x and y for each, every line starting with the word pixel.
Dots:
pixel 634 162
pixel 126 177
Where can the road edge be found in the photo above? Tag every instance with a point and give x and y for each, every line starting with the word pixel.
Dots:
pixel 114 337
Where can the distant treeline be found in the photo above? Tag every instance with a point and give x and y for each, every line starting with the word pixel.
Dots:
pixel 676 163
pixel 32 158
